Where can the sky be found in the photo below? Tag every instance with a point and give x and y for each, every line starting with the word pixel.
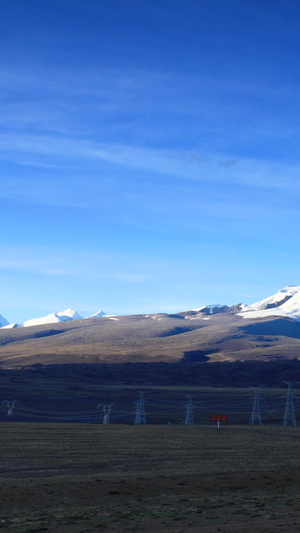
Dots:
pixel 149 154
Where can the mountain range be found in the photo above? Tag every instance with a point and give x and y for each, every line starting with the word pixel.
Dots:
pixel 53 318
pixel 285 303
pixel 266 331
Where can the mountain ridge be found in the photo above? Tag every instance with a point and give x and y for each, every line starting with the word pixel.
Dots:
pixel 286 302
pixel 52 318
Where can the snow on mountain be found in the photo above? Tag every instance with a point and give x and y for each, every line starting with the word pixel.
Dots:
pixel 98 315
pixel 286 302
pixel 3 321
pixel 209 306
pixel 62 316
pixel 212 310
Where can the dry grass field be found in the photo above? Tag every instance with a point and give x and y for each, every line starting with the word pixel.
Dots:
pixel 151 338
pixel 115 478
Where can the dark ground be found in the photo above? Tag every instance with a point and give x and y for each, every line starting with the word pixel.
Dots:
pixel 71 393
pixel 82 478
pixel 160 477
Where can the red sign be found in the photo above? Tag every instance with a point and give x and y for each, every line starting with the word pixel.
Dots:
pixel 218 418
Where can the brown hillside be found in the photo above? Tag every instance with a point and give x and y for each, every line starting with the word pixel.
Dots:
pixel 151 338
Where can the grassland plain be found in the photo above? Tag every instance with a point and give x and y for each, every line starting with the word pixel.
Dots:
pixel 82 477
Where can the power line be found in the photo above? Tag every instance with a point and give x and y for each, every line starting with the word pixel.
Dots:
pixel 289 411
pixel 10 406
pixel 140 414
pixel 256 413
pixel 106 408
pixel 189 415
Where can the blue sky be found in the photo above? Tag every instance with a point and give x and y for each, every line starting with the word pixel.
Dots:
pixel 149 154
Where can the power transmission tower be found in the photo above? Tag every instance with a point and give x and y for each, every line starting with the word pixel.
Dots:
pixel 289 411
pixel 189 415
pixel 106 408
pixel 140 415
pixel 256 414
pixel 10 406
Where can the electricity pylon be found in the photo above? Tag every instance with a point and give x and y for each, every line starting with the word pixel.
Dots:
pixel 256 414
pixel 10 406
pixel 140 415
pixel 189 415
pixel 106 408
pixel 289 411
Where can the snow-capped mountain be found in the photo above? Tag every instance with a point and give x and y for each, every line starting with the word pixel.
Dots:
pixel 98 315
pixel 53 318
pixel 3 321
pixel 63 316
pixel 286 302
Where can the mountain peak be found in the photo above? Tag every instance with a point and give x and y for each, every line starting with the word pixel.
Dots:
pixel 3 321
pixel 98 315
pixel 69 314
pixel 286 302
pixel 52 318
pixel 62 316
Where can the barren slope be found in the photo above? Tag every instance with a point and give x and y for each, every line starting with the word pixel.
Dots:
pixel 151 338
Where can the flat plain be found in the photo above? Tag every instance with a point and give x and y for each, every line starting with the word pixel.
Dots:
pixel 176 478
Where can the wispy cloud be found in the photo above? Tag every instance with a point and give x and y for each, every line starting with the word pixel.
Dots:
pixel 188 164
pixel 150 189
pixel 138 101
